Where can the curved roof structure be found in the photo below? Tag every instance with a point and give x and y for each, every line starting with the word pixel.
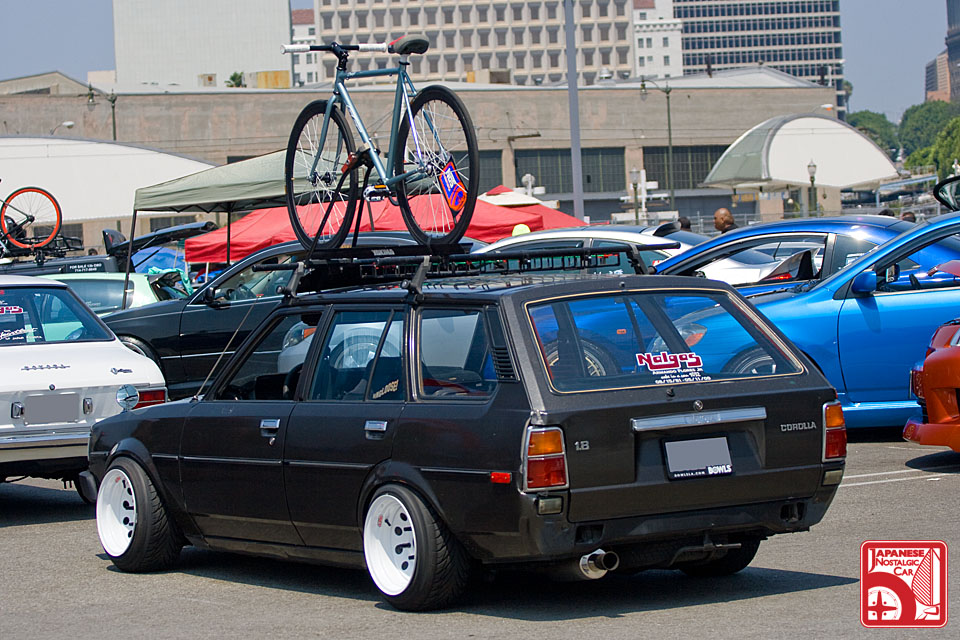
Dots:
pixel 774 155
pixel 91 179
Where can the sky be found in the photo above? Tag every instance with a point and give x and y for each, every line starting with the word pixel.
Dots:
pixel 886 44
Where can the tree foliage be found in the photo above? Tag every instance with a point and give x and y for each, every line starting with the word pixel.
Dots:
pixel 236 79
pixel 944 151
pixel 922 122
pixel 878 128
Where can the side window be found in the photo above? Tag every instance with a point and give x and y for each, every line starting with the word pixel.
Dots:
pixel 847 249
pixel 361 358
pixel 783 248
pixel 249 284
pixel 272 369
pixel 455 358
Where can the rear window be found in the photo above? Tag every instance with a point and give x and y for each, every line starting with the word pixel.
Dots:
pixel 46 314
pixel 599 342
pixel 101 295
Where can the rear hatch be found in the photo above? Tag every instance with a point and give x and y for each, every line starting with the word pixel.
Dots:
pixel 675 400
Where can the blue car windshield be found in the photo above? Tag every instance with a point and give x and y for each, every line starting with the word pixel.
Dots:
pixel 617 341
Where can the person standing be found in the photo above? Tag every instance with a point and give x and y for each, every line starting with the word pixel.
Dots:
pixel 723 220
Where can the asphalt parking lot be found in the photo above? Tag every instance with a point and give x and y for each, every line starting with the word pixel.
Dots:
pixel 57 582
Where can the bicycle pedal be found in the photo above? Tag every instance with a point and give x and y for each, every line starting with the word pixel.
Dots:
pixel 376 193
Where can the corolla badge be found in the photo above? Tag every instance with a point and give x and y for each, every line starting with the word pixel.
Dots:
pixel 43 367
pixel 115 371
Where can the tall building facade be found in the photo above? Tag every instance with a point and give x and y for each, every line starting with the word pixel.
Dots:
pixel 483 40
pixel 191 44
pixel 304 32
pixel 937 79
pixel 659 39
pixel 799 37
pixel 953 47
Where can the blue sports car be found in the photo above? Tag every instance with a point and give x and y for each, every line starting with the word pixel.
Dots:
pixel 866 324
pixel 830 244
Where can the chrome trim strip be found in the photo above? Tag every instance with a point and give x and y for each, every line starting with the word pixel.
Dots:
pixel 677 420
pixel 258 462
pixel 42 441
pixel 350 466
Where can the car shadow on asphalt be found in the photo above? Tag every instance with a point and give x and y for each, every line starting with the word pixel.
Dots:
pixel 518 595
pixel 22 504
pixel 938 462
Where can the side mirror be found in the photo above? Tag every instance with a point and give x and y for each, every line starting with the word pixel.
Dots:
pixel 864 284
pixel 212 298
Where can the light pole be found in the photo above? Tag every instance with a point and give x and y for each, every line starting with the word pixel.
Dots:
pixel 666 91
pixel 635 181
pixel 66 123
pixel 812 171
pixel 112 99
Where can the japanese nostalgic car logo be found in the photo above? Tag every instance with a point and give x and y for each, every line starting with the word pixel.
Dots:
pixel 115 371
pixel 41 367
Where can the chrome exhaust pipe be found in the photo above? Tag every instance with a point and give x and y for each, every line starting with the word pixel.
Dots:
pixel 596 565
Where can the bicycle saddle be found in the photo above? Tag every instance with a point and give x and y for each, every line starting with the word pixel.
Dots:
pixel 405 45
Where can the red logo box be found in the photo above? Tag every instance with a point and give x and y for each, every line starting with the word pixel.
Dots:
pixel 903 583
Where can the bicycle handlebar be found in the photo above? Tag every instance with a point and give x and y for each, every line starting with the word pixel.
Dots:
pixel 381 47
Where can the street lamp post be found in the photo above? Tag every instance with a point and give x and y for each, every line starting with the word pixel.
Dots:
pixel 635 181
pixel 666 92
pixel 812 172
pixel 66 123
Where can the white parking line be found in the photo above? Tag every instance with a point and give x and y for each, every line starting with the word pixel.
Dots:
pixel 860 484
pixel 888 473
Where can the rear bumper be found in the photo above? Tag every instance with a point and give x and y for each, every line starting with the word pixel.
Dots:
pixel 43 455
pixel 547 538
pixel 933 434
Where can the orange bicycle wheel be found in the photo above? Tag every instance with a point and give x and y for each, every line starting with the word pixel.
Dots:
pixel 30 209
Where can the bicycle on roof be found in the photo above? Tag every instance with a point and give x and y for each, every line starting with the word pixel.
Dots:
pixel 431 170
pixel 30 219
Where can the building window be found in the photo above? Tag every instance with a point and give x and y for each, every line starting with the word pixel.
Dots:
pixel 666 63
pixel 518 13
pixel 482 14
pixel 641 62
pixel 666 42
pixel 500 13
pixel 690 164
pixel 534 12
pixel 312 31
pixel 603 169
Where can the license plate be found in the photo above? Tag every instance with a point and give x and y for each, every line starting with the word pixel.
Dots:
pixel 698 458
pixel 52 408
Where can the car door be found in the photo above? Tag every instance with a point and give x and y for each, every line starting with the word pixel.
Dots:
pixel 232 444
pixel 883 333
pixel 345 424
pixel 236 304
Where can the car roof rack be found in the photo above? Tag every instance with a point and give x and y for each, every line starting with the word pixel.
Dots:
pixel 411 266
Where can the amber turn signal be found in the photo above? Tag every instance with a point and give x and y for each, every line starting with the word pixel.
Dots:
pixel 833 416
pixel 545 442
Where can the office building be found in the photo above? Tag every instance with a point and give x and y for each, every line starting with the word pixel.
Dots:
pixel 953 47
pixel 799 37
pixel 659 39
pixel 938 79
pixel 304 32
pixel 483 41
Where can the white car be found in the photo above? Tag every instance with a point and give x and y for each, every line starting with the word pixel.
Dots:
pixel 61 371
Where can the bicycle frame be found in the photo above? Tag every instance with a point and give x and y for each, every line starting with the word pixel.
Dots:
pixel 401 105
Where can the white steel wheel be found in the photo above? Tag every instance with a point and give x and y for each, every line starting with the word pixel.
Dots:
pixel 116 512
pixel 390 544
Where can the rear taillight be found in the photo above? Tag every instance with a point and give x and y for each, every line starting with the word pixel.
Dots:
pixel 150 397
pixel 916 382
pixel 545 459
pixel 834 432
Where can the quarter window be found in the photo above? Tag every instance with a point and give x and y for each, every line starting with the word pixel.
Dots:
pixel 455 357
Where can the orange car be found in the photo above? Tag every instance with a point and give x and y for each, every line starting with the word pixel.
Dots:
pixel 936 383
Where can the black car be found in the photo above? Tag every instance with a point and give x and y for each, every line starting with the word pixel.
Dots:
pixel 187 337
pixel 573 423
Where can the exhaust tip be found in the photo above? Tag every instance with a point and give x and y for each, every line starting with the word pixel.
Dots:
pixel 596 565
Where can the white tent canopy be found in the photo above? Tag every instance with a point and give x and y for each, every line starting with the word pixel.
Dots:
pixel 91 179
pixel 775 155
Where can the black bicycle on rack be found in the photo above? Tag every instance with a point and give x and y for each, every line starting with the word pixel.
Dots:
pixel 30 219
pixel 431 170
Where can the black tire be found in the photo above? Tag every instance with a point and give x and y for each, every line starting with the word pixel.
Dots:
pixel 441 568
pixel 139 346
pixel 128 505
pixel 754 361
pixel 596 360
pixel 425 209
pixel 313 201
pixel 729 563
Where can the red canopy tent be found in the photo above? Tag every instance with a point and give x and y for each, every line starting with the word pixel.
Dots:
pixel 267 227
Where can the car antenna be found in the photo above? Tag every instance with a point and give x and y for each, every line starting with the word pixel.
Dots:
pixel 196 396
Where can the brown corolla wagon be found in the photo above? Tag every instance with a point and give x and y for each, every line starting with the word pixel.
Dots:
pixel 577 424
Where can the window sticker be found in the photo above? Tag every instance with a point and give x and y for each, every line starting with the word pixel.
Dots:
pixel 672 368
pixel 11 309
pixel 10 334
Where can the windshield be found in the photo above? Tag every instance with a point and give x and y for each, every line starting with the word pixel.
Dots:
pixel 614 341
pixel 31 315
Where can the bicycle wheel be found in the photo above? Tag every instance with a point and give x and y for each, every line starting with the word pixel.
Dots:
pixel 311 173
pixel 438 203
pixel 31 208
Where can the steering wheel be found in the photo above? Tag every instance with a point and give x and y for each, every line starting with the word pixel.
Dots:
pixel 242 292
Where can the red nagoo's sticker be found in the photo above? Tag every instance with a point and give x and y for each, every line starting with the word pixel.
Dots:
pixel 12 309
pixel 664 361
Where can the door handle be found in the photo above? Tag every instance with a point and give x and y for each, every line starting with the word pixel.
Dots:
pixel 375 426
pixel 269 427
